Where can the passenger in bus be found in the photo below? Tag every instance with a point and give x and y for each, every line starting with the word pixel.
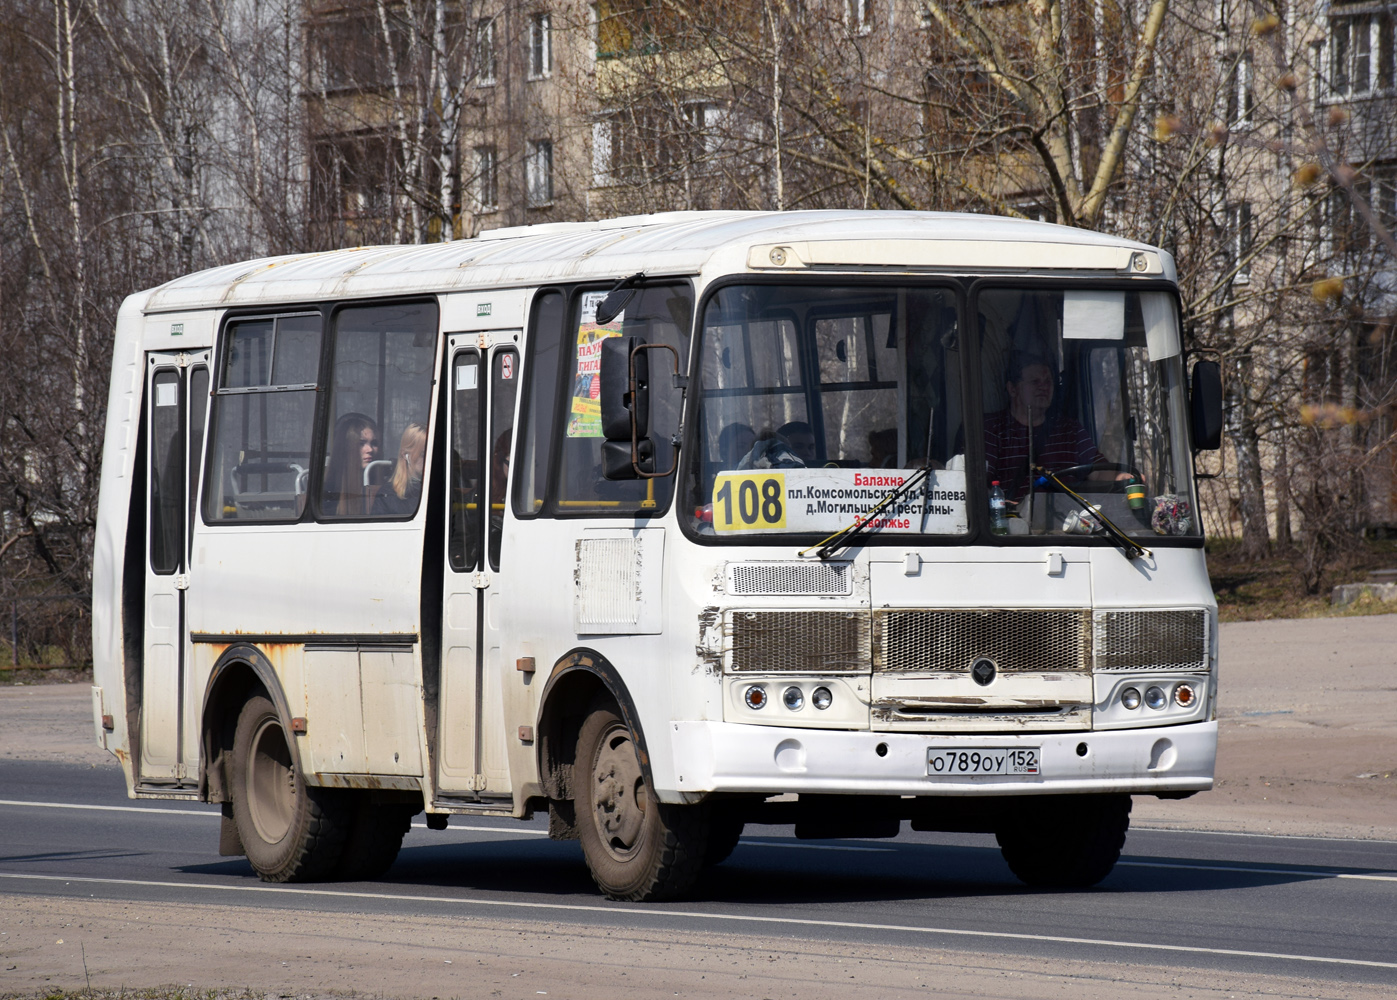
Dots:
pixel 734 442
pixel 801 437
pixel 1058 441
pixel 882 448
pixel 353 446
pixel 403 491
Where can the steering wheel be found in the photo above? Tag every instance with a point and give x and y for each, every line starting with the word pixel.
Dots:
pixel 1080 472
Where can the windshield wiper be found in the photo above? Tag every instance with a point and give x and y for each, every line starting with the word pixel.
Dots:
pixel 839 541
pixel 1128 546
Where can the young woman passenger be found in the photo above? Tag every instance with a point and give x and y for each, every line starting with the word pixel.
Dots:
pixel 353 446
pixel 399 498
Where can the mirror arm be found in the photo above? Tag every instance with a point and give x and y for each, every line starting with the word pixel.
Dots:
pixel 635 436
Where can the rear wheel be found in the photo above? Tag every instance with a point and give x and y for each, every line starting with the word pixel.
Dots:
pixel 291 832
pixel 1069 841
pixel 376 834
pixel 637 848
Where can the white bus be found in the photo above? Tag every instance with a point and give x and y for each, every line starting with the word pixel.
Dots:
pixel 664 525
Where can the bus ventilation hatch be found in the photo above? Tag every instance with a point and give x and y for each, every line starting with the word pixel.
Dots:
pixel 778 579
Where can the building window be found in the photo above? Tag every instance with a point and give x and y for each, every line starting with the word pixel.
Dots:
pixel 1240 92
pixel 858 14
pixel 538 173
pixel 1239 240
pixel 540 46
pixel 485 51
pixel 1360 53
pixel 602 175
pixel 486 178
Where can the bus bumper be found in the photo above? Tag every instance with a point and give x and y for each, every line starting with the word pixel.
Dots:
pixel 731 757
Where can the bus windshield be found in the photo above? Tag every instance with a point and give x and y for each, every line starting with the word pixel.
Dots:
pixel 817 401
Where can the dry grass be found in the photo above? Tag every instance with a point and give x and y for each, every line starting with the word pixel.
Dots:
pixel 1250 590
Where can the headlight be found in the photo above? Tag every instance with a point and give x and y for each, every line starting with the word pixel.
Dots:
pixel 794 698
pixel 756 696
pixel 821 698
pixel 1130 698
pixel 1155 697
pixel 1184 695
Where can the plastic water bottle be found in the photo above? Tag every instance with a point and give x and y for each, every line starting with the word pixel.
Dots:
pixel 999 520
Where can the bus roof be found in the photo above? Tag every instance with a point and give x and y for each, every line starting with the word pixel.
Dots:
pixel 668 243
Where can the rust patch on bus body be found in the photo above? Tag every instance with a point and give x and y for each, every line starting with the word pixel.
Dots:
pixel 710 641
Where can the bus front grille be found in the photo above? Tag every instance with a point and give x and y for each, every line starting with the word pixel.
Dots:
pixel 1152 640
pixel 1014 640
pixel 798 641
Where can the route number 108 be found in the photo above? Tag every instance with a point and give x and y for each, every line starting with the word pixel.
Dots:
pixel 749 502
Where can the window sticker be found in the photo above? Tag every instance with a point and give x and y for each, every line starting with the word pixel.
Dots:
pixel 467 376
pixel 167 394
pixel 832 498
pixel 1093 315
pixel 506 366
pixel 585 419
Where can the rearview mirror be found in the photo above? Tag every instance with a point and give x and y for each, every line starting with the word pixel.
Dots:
pixel 1205 404
pixel 619 360
pixel 623 374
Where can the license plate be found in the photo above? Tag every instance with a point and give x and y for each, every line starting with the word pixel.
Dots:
pixel 945 762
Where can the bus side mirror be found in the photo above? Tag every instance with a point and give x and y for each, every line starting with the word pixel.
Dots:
pixel 619 362
pixel 1205 403
pixel 623 374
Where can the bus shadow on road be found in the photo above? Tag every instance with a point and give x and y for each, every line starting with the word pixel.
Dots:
pixel 764 871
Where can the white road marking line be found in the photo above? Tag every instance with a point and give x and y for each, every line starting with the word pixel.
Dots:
pixel 1147 828
pixel 523 832
pixel 1257 871
pixel 744 842
pixel 417 826
pixel 127 809
pixel 718 917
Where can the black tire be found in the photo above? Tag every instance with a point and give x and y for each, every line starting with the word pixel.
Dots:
pixel 637 848
pixel 290 832
pixel 376 834
pixel 1069 841
pixel 724 831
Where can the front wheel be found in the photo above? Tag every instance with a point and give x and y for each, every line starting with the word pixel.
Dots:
pixel 291 832
pixel 637 848
pixel 1068 841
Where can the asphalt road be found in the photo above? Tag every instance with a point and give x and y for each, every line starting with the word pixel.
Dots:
pixel 1238 903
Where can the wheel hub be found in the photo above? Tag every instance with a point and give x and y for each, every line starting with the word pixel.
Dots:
pixel 618 793
pixel 271 783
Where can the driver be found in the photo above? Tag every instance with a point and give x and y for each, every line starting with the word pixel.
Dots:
pixel 1059 441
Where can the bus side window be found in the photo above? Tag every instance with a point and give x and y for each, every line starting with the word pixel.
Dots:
pixel 380 391
pixel 661 315
pixel 540 400
pixel 262 420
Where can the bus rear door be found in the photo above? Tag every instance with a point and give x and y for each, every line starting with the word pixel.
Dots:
pixel 484 380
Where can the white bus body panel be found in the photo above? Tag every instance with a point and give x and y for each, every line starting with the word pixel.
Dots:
pixel 310 579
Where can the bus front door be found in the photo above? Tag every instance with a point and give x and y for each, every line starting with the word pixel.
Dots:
pixel 176 399
pixel 484 379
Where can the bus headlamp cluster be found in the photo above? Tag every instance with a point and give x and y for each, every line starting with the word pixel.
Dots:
pixel 793 697
pixel 1157 698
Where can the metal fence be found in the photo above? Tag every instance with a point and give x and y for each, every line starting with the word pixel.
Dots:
pixel 48 631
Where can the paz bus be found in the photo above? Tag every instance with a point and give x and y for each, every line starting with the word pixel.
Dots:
pixel 663 525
